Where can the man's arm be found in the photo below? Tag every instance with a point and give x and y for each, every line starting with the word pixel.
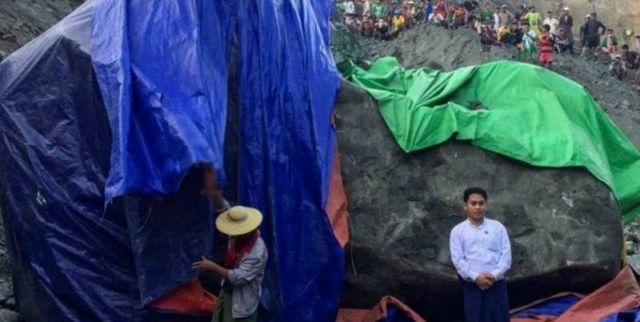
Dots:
pixel 205 264
pixel 248 268
pixel 457 256
pixel 504 263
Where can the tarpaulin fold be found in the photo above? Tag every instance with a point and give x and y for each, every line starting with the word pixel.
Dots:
pixel 163 75
pixel 518 110
pixel 547 309
pixel 616 301
pixel 288 83
pixel 619 297
pixel 389 309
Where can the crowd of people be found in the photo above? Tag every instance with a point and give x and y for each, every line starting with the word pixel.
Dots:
pixel 524 31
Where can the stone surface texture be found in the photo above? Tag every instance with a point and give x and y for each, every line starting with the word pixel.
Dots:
pixel 564 224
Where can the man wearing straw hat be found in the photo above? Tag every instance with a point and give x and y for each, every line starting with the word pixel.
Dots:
pixel 243 267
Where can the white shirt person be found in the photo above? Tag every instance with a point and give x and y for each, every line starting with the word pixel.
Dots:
pixel 483 248
pixel 481 253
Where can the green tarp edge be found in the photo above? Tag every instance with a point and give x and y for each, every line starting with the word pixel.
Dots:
pixel 519 110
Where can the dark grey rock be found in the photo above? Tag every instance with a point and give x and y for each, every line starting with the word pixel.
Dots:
pixel 10 304
pixel 564 225
pixel 9 316
pixel 21 21
pixel 6 290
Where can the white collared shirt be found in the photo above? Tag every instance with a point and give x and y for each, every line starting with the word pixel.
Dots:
pixel 480 249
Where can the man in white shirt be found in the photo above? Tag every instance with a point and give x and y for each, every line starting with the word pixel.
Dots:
pixel 481 254
pixel 366 8
pixel 552 22
pixel 349 8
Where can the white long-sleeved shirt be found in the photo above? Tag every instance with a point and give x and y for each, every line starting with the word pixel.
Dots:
pixel 480 249
pixel 349 7
pixel 553 24
pixel 366 8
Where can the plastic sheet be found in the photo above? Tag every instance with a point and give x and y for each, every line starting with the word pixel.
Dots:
pixel 163 75
pixel 389 309
pixel 546 310
pixel 616 301
pixel 618 298
pixel 288 83
pixel 518 110
pixel 72 259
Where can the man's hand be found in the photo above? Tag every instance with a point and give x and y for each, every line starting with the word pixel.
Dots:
pixel 209 187
pixel 204 265
pixel 210 190
pixel 485 281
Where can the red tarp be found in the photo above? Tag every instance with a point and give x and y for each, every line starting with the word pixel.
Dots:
pixel 336 207
pixel 189 297
pixel 378 313
pixel 621 294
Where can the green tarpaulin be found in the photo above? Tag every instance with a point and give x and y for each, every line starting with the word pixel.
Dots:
pixel 518 110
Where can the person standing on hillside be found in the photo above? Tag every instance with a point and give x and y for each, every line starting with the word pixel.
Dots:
pixel 366 8
pixel 440 12
pixel 546 46
pixel 635 44
pixel 496 19
pixel 592 34
pixel 481 253
pixel 631 59
pixel 521 12
pixel 504 17
pixel 349 7
pixel 552 22
pixel 566 23
pixel 529 43
pixel 428 11
pixel 533 19
pixel 486 14
pixel 379 9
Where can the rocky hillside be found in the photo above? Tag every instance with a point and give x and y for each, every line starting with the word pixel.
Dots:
pixel 22 20
pixel 618 14
pixel 440 48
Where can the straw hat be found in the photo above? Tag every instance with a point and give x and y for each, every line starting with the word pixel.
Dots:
pixel 239 221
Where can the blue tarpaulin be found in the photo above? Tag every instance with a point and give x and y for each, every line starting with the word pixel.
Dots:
pixel 288 83
pixel 163 75
pixel 106 121
pixel 627 316
pixel 553 307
